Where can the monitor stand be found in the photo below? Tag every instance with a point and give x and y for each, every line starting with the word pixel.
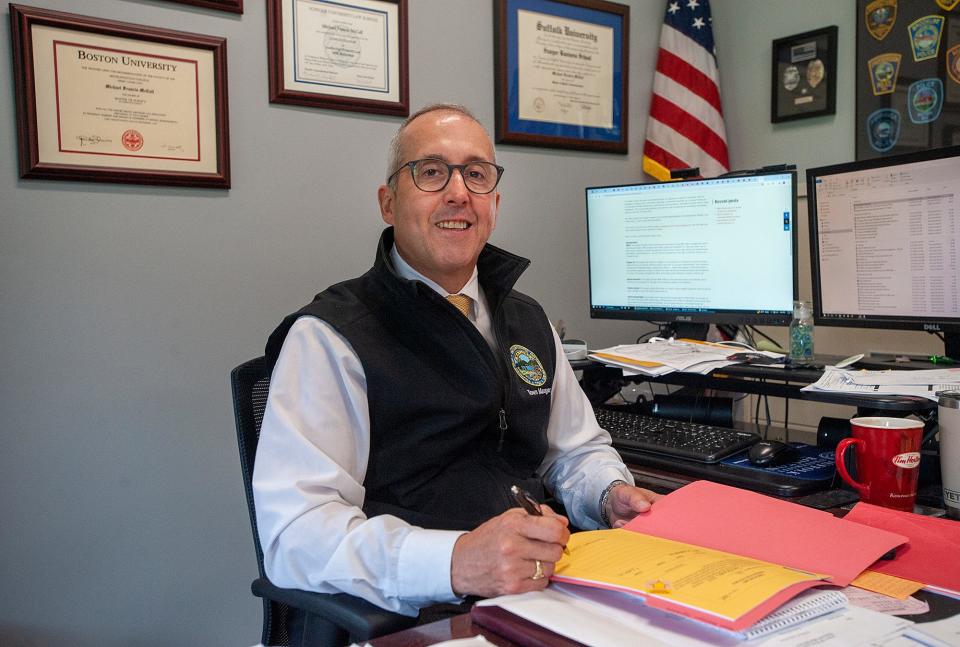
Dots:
pixel 951 345
pixel 685 330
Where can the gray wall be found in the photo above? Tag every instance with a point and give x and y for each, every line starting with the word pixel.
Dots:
pixel 124 308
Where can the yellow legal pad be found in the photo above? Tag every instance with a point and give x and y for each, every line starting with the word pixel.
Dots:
pixel 719 583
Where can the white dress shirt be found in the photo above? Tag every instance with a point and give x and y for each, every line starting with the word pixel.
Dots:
pixel 312 458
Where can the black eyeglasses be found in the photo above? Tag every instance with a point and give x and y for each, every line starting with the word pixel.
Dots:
pixel 433 175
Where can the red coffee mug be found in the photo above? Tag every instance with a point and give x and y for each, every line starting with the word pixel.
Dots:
pixel 887 458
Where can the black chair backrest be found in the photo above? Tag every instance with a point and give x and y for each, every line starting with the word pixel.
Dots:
pixel 250 383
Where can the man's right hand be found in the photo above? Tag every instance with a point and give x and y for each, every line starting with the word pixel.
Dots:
pixel 500 556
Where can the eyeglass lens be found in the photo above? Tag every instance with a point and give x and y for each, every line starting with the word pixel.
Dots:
pixel 433 175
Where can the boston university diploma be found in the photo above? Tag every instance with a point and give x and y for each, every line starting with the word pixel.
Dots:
pixel 118 102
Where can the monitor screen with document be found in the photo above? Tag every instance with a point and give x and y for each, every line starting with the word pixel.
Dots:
pixel 885 243
pixel 719 250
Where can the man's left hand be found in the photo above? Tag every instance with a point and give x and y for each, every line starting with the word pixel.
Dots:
pixel 627 501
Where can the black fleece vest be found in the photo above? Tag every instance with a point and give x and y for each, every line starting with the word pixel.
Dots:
pixel 453 425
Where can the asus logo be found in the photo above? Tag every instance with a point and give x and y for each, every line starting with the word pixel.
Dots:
pixel 931 327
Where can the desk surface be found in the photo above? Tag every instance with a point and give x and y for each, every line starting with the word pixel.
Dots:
pixel 462 627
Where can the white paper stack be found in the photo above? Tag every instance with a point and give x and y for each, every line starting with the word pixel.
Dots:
pixel 924 384
pixel 662 356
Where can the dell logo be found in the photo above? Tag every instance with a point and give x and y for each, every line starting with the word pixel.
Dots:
pixel 683 318
pixel 931 326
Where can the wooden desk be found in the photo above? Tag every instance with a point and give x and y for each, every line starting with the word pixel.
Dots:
pixel 456 627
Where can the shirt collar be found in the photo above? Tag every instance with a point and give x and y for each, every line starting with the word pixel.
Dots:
pixel 405 271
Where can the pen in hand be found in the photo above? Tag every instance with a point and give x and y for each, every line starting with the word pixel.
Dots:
pixel 526 501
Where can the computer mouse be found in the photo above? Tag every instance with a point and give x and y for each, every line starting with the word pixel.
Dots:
pixel 770 453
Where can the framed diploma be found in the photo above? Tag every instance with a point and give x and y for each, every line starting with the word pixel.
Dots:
pixel 342 54
pixel 236 6
pixel 804 75
pixel 107 101
pixel 561 73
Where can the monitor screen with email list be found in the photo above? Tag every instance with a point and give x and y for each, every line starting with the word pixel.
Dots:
pixel 719 250
pixel 885 243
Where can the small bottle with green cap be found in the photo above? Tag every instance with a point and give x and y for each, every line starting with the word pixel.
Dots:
pixel 801 334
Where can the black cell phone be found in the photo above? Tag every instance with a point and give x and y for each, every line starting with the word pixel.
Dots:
pixel 827 499
pixel 754 358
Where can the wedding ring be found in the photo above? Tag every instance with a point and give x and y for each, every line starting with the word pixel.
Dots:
pixel 538 574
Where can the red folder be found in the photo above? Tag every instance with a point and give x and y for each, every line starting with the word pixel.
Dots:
pixel 758 526
pixel 932 555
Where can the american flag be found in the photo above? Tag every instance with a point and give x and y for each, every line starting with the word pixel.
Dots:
pixel 685 127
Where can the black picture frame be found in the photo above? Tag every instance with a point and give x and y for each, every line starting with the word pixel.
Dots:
pixel 516 125
pixel 804 75
pixel 907 77
pixel 233 6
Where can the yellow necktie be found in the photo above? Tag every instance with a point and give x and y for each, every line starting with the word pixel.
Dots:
pixel 461 302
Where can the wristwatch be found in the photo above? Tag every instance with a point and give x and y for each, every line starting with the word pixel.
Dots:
pixel 603 500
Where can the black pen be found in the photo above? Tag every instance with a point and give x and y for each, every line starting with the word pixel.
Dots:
pixel 526 501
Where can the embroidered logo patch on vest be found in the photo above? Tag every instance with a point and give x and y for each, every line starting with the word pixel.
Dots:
pixel 527 365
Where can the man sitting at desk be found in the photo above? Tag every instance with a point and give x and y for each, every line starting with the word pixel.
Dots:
pixel 396 422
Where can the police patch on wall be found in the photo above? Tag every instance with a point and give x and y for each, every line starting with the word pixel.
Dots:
pixel 527 365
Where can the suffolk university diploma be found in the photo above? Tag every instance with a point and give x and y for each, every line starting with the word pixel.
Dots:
pixel 108 101
pixel 565 70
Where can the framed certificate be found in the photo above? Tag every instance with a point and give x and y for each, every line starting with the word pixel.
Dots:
pixel 804 75
pixel 236 6
pixel 107 101
pixel 561 73
pixel 339 54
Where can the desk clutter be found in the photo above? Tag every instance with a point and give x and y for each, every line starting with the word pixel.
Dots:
pixel 922 383
pixel 660 356
pixel 706 567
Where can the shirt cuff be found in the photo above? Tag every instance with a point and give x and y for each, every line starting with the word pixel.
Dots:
pixel 424 566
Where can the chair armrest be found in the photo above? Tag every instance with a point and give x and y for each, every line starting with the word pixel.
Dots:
pixel 361 619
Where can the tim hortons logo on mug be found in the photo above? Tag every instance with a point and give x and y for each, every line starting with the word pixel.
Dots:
pixel 908 460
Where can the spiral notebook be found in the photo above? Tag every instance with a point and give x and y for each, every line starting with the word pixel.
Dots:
pixel 807 605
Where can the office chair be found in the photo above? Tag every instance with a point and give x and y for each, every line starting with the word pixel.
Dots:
pixel 327 619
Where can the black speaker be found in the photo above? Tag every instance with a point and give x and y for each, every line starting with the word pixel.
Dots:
pixel 702 409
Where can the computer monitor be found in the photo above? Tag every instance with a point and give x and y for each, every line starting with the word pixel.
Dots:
pixel 885 243
pixel 719 250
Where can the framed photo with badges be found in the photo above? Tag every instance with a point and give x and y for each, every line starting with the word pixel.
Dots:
pixel 561 70
pixel 99 100
pixel 804 75
pixel 908 76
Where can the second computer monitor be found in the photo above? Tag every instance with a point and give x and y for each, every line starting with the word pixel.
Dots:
pixel 885 243
pixel 720 250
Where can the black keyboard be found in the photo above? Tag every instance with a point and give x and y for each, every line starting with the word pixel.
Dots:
pixel 692 441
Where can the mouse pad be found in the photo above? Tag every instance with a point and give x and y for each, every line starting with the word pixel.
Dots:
pixel 814 464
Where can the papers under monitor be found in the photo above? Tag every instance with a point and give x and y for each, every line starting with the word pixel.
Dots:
pixel 924 384
pixel 662 356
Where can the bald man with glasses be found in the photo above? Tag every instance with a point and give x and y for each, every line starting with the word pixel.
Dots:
pixel 404 405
